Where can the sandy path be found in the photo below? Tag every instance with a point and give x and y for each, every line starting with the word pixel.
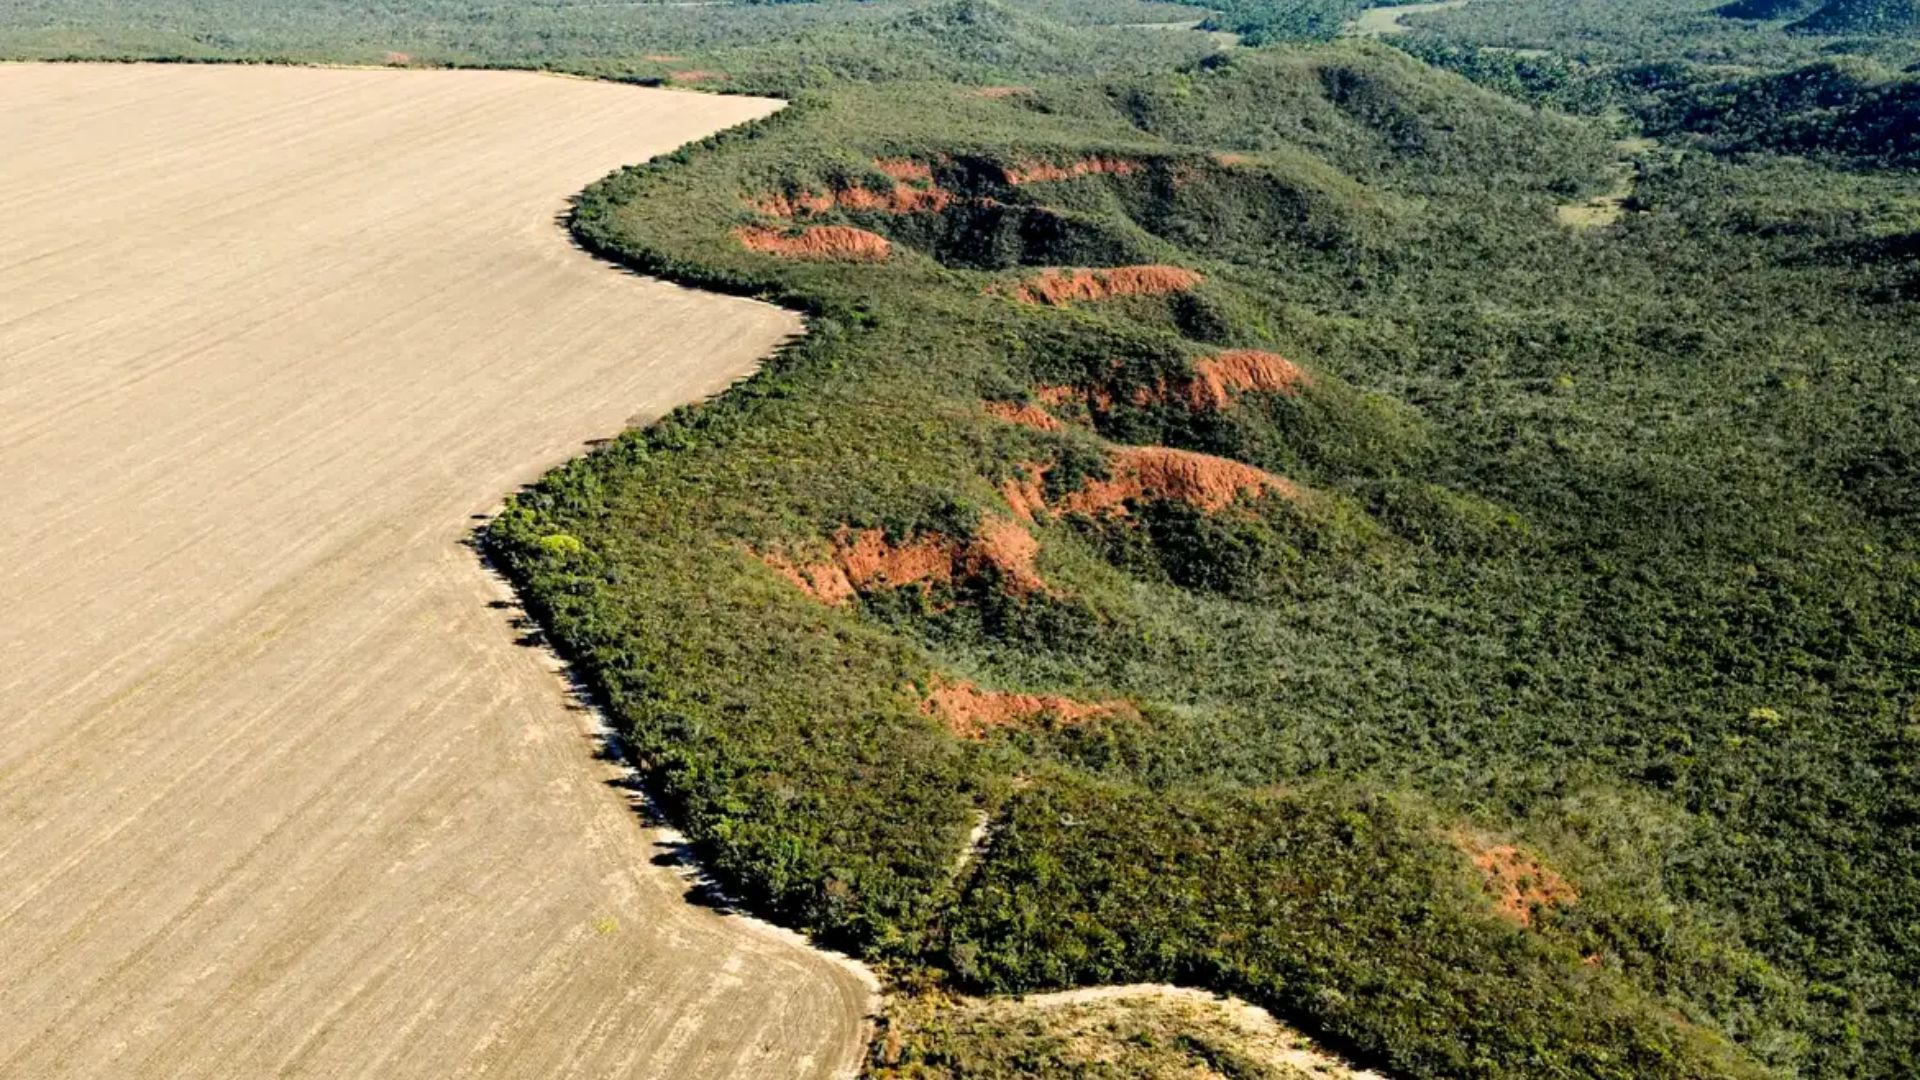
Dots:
pixel 279 793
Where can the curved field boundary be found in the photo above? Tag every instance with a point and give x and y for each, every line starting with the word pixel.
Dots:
pixel 282 792
pixel 1390 19
pixel 1279 1046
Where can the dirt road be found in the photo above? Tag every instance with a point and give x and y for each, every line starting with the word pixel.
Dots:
pixel 279 792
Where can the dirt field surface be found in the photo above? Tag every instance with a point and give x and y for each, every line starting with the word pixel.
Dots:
pixel 1390 20
pixel 1254 1030
pixel 280 793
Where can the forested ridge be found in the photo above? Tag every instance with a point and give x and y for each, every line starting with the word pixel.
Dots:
pixel 1485 637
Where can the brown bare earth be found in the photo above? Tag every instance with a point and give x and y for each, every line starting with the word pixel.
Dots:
pixel 279 792
pixel 972 713
pixel 1219 377
pixel 905 170
pixel 1215 382
pixel 1388 21
pixel 904 198
pixel 1140 1030
pixel 824 243
pixel 1026 492
pixel 864 560
pixel 1158 472
pixel 1026 414
pixel 1517 881
pixel 1057 288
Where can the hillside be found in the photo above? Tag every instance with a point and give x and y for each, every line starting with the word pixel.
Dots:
pixel 1887 18
pixel 1766 10
pixel 1332 578
pixel 1848 112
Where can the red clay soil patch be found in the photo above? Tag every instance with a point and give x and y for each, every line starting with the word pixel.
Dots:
pixel 972 713
pixel 1202 481
pixel 905 170
pixel 1026 494
pixel 820 243
pixel 912 193
pixel 903 199
pixel 1057 288
pixel 1039 172
pixel 1010 551
pixel 872 563
pixel 1212 386
pixel 1518 881
pixel 864 561
pixel 824 582
pixel 1026 414
pixel 1216 378
pixel 792 206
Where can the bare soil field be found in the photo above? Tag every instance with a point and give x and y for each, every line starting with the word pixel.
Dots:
pixel 1387 21
pixel 280 792
pixel 1139 1030
pixel 1254 1030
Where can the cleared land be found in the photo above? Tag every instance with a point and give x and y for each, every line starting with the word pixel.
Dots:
pixel 1252 1030
pixel 1390 20
pixel 1142 1030
pixel 279 792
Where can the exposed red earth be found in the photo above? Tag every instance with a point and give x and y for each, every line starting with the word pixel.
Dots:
pixel 1519 883
pixel 1199 480
pixel 864 560
pixel 902 198
pixel 1214 383
pixel 820 243
pixel 1217 378
pixel 972 713
pixel 1026 414
pixel 905 170
pixel 1059 287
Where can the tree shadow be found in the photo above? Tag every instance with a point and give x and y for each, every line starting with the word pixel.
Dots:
pixel 671 849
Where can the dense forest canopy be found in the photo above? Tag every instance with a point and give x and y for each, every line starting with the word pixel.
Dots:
pixel 1418 533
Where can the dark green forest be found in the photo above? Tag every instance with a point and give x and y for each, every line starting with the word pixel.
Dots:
pixel 1592 540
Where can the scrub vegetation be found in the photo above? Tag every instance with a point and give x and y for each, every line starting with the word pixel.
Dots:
pixel 1487 644
pixel 1533 707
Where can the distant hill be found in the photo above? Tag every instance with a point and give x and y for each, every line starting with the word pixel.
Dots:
pixel 1880 18
pixel 982 32
pixel 1766 10
pixel 987 35
pixel 1843 111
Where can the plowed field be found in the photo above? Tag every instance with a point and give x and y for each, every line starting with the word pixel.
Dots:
pixel 280 792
